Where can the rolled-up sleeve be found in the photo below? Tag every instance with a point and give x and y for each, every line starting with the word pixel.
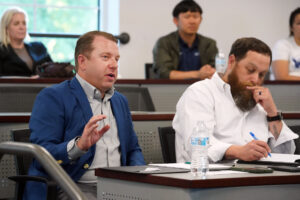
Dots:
pixel 285 142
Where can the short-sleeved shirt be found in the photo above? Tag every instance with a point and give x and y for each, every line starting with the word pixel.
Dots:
pixel 288 49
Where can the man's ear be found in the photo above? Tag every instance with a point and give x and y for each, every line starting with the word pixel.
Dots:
pixel 81 62
pixel 230 66
pixel 175 21
pixel 231 62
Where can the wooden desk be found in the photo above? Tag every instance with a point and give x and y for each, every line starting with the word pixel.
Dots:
pixel 120 185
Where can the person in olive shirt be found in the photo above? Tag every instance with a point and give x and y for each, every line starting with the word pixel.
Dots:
pixel 185 54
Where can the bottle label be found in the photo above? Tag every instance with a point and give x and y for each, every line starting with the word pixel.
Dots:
pixel 195 141
pixel 203 141
pixel 199 141
pixel 220 61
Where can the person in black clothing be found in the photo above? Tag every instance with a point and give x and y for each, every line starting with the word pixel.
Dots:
pixel 18 58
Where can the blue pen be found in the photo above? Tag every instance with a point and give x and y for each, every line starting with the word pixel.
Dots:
pixel 255 138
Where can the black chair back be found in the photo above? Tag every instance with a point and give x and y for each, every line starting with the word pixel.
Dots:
pixel 22 166
pixel 167 142
pixel 24 161
pixel 150 72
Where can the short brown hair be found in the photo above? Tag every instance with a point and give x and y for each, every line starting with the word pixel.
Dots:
pixel 84 43
pixel 241 47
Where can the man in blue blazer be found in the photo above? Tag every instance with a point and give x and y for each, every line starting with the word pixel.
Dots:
pixel 83 122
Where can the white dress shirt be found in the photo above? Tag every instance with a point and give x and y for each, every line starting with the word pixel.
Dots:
pixel 211 101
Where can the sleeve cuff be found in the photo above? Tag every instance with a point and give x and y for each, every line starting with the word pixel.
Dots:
pixel 74 151
pixel 217 151
pixel 285 135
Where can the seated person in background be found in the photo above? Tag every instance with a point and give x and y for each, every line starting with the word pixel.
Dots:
pixel 184 54
pixel 84 123
pixel 286 52
pixel 18 58
pixel 232 105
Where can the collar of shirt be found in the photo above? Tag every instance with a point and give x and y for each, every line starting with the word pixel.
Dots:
pixel 221 84
pixel 184 45
pixel 92 92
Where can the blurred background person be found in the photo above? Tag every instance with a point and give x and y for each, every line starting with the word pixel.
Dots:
pixel 18 58
pixel 185 54
pixel 286 52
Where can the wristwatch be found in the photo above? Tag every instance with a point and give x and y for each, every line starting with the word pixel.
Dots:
pixel 277 117
pixel 73 150
pixel 72 143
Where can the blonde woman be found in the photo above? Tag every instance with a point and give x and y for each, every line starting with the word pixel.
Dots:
pixel 18 58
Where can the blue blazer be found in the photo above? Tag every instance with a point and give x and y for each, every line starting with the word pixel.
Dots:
pixel 59 114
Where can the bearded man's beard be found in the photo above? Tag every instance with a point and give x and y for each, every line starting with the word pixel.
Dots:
pixel 242 97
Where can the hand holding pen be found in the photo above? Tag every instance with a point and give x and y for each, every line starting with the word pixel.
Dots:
pixel 255 138
pixel 253 150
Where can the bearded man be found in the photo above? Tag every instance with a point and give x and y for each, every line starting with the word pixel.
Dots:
pixel 232 105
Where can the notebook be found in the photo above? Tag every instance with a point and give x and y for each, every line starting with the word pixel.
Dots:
pixel 277 159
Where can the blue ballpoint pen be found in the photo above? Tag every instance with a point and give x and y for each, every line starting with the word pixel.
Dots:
pixel 255 138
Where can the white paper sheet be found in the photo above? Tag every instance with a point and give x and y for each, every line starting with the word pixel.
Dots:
pixel 188 166
pixel 215 169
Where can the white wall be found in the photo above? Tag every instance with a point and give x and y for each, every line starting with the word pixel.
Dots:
pixel 110 16
pixel 223 20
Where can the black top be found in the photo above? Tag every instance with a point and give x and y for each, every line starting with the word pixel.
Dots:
pixel 12 65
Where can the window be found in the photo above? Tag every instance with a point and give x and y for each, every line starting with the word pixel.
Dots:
pixel 58 23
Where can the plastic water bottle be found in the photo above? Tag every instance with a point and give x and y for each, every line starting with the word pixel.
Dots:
pixel 199 147
pixel 220 62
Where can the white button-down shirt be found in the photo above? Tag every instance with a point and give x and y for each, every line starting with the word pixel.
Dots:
pixel 211 101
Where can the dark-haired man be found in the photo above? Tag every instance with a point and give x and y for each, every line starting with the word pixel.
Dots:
pixel 184 54
pixel 84 123
pixel 233 105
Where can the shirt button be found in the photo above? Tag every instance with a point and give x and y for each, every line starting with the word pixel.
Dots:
pixel 59 161
pixel 86 166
